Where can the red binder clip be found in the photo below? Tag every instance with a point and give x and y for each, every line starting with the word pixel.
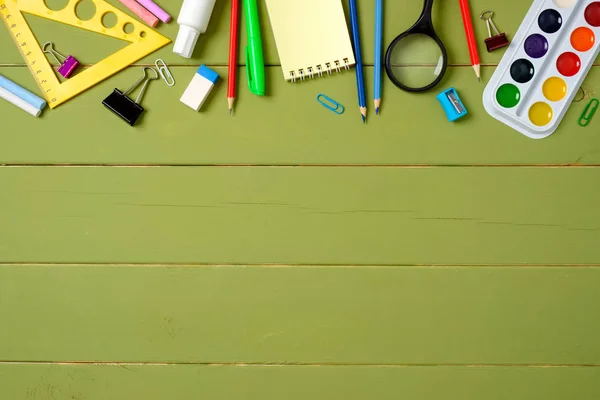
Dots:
pixel 498 40
pixel 67 65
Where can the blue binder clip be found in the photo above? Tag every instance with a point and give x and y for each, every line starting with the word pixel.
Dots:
pixel 452 105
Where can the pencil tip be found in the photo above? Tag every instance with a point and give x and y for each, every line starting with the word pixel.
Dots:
pixel 377 111
pixel 364 119
pixel 230 111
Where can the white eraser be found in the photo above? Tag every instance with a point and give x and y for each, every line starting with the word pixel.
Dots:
pixel 199 88
pixel 19 102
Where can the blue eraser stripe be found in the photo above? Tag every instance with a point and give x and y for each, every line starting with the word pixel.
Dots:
pixel 23 93
pixel 208 73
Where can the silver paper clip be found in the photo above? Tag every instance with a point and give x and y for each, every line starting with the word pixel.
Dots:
pixel 164 72
pixel 330 104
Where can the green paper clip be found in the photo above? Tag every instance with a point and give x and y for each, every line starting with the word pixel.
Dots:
pixel 331 104
pixel 589 112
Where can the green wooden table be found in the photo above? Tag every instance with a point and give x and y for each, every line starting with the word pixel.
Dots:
pixel 288 253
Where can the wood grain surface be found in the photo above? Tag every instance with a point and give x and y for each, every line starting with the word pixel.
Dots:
pixel 123 382
pixel 300 215
pixel 285 252
pixel 300 315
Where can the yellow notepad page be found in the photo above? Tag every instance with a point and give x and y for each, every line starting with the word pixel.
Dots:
pixel 312 37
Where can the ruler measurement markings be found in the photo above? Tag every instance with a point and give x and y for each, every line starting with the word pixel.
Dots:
pixel 27 51
pixel 12 13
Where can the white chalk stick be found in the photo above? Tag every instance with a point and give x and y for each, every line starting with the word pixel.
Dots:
pixel 19 102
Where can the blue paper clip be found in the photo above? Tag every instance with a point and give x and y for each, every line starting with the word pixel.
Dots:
pixel 330 104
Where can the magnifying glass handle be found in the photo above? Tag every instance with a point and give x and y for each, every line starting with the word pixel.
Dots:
pixel 427 7
pixel 425 22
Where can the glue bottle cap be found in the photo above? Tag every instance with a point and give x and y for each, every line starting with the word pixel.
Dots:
pixel 186 41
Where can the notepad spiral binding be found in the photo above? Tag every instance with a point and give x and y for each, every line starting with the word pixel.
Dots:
pixel 319 70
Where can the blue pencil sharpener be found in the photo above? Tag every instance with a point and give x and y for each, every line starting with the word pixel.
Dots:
pixel 452 105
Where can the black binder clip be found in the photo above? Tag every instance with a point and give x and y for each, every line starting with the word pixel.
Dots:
pixel 127 109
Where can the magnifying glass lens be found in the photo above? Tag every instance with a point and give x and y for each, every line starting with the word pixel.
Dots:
pixel 416 61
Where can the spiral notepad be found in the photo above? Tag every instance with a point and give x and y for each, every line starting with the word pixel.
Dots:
pixel 313 39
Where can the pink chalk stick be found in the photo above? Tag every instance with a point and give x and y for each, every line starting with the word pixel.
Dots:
pixel 141 12
pixel 156 10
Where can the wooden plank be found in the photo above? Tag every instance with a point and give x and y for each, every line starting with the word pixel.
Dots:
pixel 213 46
pixel 300 215
pixel 287 127
pixel 266 315
pixel 20 382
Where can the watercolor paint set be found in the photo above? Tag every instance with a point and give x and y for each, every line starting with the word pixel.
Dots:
pixel 544 66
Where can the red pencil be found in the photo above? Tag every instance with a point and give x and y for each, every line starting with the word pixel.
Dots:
pixel 233 53
pixel 468 22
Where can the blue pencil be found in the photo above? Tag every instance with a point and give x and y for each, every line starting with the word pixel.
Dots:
pixel 360 80
pixel 378 55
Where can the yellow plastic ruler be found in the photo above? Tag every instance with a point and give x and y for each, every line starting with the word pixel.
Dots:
pixel 143 42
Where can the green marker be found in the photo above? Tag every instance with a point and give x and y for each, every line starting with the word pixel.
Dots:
pixel 255 60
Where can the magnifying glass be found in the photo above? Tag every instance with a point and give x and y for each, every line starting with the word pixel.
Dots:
pixel 417 60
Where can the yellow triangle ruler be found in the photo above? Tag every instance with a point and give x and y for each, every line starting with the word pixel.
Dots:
pixel 143 42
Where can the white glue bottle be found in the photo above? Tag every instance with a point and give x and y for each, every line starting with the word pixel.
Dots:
pixel 193 21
